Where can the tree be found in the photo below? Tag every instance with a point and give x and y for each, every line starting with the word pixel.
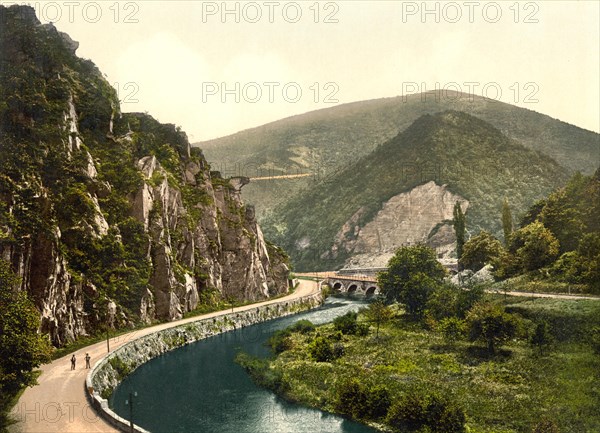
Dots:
pixel 449 300
pixel 378 313
pixel 452 328
pixel 411 276
pixel 459 228
pixel 481 250
pixel 348 324
pixel 589 253
pixel 534 246
pixel 491 324
pixel 22 348
pixel 507 222
pixel 322 350
pixel 541 338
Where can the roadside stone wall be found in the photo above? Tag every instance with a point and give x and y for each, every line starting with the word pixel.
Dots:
pixel 108 372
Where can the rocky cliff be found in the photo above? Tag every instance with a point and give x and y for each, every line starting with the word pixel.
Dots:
pixel 421 215
pixel 111 218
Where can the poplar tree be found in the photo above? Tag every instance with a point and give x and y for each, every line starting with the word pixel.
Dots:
pixel 507 222
pixel 459 228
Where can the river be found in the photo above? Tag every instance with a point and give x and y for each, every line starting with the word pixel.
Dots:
pixel 200 389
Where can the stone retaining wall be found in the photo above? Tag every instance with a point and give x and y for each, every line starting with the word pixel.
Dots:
pixel 109 371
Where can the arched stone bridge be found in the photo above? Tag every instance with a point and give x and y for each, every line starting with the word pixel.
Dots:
pixel 360 285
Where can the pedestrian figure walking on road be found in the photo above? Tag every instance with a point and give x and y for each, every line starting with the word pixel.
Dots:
pixel 87 360
pixel 73 360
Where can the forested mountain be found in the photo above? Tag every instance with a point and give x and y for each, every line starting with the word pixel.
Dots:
pixel 404 192
pixel 321 142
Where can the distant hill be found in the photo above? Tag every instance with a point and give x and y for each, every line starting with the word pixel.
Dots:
pixel 438 160
pixel 322 141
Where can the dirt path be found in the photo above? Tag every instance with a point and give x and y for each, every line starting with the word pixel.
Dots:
pixel 58 403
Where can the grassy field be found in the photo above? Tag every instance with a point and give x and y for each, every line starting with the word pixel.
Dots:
pixel 510 391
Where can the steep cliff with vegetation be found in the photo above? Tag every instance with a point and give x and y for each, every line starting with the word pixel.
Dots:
pixel 109 219
pixel 475 161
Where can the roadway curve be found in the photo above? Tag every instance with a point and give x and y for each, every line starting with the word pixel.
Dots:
pixel 58 402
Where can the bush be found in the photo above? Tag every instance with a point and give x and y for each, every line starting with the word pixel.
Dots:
pixel 261 374
pixel 280 341
pixel 452 328
pixel 415 411
pixel 348 324
pixel 542 337
pixel 361 402
pixel 302 326
pixel 491 324
pixel 352 399
pixel 408 413
pixel 412 275
pixel 534 246
pixel 378 402
pixel 321 350
pixel 481 250
pixel 452 301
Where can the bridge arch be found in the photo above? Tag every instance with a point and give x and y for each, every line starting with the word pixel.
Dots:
pixel 338 286
pixel 360 285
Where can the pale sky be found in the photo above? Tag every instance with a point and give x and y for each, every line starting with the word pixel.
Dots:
pixel 178 60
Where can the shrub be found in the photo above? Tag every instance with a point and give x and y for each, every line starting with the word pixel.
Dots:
pixel 481 250
pixel 378 402
pixel 415 411
pixel 411 277
pixel 261 373
pixel 534 246
pixel 361 402
pixel 280 341
pixel 321 349
pixel 302 326
pixel 408 413
pixel 452 328
pixel 490 323
pixel 338 350
pixel 348 324
pixel 351 399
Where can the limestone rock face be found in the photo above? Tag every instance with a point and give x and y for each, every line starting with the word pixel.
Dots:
pixel 421 215
pixel 83 185
pixel 226 247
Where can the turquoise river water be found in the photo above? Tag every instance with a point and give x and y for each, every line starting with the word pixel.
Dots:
pixel 200 389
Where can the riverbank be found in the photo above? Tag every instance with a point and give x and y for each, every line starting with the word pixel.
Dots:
pixel 410 369
pixel 59 402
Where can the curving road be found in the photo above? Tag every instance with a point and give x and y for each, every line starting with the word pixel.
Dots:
pixel 59 404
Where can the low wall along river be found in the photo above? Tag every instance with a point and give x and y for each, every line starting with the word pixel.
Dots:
pixel 110 370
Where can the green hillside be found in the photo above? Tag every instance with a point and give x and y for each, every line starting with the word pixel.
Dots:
pixel 475 160
pixel 322 141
